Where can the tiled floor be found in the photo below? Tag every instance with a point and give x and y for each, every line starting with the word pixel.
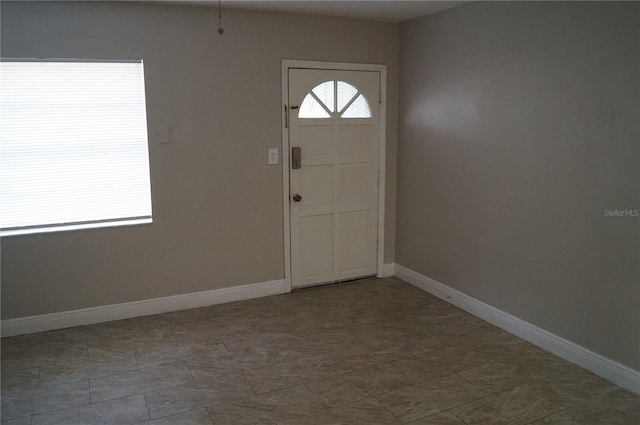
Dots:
pixel 372 352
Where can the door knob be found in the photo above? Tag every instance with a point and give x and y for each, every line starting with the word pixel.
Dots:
pixel 296 198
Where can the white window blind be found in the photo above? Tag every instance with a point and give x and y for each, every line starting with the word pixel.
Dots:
pixel 73 146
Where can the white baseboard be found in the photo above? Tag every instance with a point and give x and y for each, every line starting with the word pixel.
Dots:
pixel 608 369
pixel 107 313
pixel 388 269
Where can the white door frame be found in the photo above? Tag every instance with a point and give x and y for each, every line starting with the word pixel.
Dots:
pixel 299 64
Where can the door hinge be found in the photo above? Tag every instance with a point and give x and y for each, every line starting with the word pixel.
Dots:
pixel 286 117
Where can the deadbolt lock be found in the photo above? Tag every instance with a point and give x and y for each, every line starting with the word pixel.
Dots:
pixel 296 157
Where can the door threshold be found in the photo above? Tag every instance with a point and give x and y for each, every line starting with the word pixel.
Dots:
pixel 335 283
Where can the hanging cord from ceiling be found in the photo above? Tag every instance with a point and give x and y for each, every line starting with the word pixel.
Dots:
pixel 220 29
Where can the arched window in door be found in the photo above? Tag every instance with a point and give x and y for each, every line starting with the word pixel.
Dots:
pixel 334 98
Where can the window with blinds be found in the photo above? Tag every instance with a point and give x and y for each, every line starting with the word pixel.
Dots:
pixel 73 146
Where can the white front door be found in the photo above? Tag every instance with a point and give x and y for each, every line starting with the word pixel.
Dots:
pixel 334 126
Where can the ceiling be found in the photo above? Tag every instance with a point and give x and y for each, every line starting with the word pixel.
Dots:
pixel 379 10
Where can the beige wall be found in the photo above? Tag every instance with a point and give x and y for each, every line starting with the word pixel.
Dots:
pixel 217 205
pixel 518 129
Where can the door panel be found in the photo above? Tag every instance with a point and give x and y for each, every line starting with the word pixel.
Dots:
pixel 354 241
pixel 316 185
pixel 355 140
pixel 355 186
pixel 335 119
pixel 316 141
pixel 316 247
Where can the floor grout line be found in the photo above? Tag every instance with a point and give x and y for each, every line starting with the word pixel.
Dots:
pixel 146 403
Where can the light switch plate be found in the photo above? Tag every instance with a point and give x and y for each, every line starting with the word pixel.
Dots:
pixel 273 156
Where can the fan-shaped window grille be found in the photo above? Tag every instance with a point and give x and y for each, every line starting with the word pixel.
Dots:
pixel 333 98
